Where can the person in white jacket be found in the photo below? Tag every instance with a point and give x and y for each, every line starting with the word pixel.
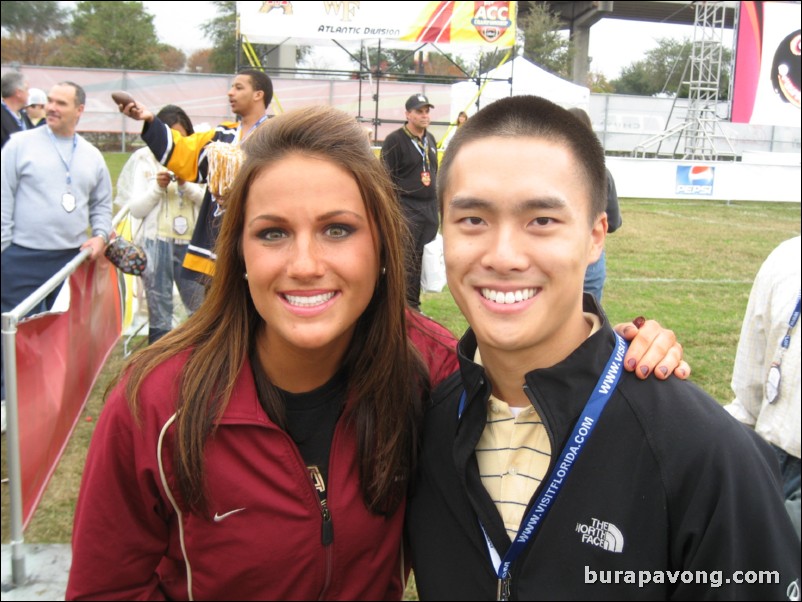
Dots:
pixel 168 209
pixel 766 375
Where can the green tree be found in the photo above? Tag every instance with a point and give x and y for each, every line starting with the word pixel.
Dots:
pixel 665 70
pixel 30 30
pixel 598 84
pixel 200 61
pixel 637 79
pixel 43 19
pixel 113 35
pixel 544 43
pixel 222 31
pixel 171 58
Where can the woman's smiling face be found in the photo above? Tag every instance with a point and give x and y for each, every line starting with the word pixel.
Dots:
pixel 310 253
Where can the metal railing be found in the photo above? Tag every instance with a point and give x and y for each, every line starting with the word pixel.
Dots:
pixel 10 320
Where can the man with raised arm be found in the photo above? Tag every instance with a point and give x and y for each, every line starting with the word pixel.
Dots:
pixel 190 157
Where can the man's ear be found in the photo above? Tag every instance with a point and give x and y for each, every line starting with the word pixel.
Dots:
pixel 598 234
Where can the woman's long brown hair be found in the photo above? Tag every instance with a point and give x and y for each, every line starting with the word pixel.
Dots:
pixel 386 377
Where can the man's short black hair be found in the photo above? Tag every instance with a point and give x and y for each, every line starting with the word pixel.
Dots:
pixel 534 117
pixel 260 81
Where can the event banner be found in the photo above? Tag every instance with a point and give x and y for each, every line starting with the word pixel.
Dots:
pixel 59 357
pixel 479 24
pixel 767 64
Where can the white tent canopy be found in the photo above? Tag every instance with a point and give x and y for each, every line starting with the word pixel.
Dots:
pixel 527 78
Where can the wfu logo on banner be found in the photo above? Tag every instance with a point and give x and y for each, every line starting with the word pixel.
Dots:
pixel 695 179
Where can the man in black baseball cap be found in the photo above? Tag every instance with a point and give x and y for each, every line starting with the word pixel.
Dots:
pixel 418 101
pixel 410 155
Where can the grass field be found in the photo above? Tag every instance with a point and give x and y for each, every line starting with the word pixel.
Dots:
pixel 689 264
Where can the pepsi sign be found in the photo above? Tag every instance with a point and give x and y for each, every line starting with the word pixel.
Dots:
pixel 695 179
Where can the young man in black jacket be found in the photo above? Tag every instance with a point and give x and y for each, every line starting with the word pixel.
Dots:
pixel 547 471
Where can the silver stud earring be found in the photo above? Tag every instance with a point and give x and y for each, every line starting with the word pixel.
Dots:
pixel 245 276
pixel 383 270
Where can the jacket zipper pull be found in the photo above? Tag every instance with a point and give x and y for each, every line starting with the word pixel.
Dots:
pixel 503 592
pixel 327 529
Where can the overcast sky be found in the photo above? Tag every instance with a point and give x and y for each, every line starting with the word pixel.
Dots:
pixel 614 43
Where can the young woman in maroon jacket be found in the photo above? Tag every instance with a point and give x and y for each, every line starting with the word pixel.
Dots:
pixel 262 450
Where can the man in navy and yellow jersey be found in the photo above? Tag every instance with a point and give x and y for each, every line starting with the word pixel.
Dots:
pixel 189 157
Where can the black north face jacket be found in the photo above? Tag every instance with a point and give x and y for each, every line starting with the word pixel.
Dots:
pixel 670 499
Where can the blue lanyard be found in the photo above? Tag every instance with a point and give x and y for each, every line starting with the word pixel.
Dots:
pixel 422 148
pixel 786 342
pixel 562 468
pixel 253 127
pixel 67 166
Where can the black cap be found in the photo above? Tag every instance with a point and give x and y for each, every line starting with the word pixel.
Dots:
pixel 416 101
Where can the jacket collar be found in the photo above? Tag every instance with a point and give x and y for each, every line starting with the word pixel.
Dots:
pixel 558 393
pixel 561 391
pixel 244 407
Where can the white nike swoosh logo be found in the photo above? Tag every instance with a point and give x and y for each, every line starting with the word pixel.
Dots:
pixel 221 517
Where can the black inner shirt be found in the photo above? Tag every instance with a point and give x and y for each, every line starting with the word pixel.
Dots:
pixel 311 418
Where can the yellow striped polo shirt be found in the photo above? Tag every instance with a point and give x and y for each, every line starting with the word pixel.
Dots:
pixel 514 453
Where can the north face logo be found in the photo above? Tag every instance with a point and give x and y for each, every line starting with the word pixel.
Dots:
pixel 602 535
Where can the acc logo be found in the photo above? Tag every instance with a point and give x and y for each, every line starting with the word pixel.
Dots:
pixel 491 19
pixel 695 179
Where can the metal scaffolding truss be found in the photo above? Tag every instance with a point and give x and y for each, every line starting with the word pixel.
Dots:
pixel 703 82
pixel 702 75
